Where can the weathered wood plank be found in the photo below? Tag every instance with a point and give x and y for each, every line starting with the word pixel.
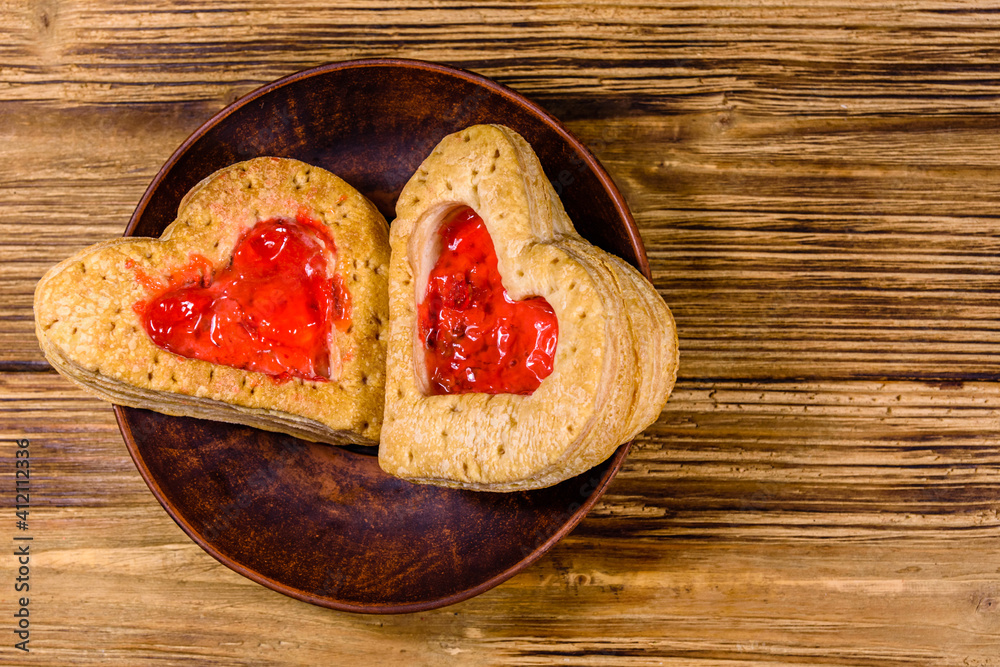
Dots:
pixel 815 57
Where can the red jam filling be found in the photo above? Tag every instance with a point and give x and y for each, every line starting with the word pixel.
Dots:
pixel 475 337
pixel 271 310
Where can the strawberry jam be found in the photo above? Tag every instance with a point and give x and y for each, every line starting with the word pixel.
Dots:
pixel 475 337
pixel 271 310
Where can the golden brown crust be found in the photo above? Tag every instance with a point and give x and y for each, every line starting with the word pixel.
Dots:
pixel 615 361
pixel 89 331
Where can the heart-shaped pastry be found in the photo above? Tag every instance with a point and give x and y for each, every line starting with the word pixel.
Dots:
pixel 520 355
pixel 262 303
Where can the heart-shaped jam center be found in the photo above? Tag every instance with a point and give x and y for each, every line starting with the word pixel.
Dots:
pixel 271 310
pixel 475 337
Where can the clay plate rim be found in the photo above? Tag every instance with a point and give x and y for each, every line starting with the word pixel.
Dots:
pixel 616 461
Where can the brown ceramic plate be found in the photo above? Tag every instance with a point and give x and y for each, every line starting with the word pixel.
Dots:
pixel 320 523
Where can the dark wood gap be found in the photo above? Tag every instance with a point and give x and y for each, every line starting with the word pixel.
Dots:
pixel 36 366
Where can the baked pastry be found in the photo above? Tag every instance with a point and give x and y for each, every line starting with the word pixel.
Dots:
pixel 263 303
pixel 572 353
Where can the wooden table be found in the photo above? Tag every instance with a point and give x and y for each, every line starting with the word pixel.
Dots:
pixel 816 186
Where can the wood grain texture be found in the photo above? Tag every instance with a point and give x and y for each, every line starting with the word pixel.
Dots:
pixel 816 186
